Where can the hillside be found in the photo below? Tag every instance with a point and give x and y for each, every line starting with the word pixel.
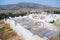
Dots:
pixel 23 6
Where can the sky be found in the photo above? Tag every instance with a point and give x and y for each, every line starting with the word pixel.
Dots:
pixel 53 3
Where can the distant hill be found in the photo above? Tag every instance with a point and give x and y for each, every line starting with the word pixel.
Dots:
pixel 25 5
pixel 19 5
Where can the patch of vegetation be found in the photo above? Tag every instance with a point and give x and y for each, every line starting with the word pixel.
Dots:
pixel 52 21
pixel 1 29
pixel 3 15
pixel 5 27
pixel 56 12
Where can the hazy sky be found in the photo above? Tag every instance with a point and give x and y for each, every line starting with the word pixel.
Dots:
pixel 54 3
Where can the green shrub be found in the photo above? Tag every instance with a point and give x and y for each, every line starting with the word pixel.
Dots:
pixel 52 21
pixel 56 12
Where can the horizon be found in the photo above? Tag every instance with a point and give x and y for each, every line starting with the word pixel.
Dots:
pixel 52 3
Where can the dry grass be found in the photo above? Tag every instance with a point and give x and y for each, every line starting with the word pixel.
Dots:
pixel 57 24
pixel 9 35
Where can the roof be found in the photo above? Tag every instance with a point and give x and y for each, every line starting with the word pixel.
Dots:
pixel 43 32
